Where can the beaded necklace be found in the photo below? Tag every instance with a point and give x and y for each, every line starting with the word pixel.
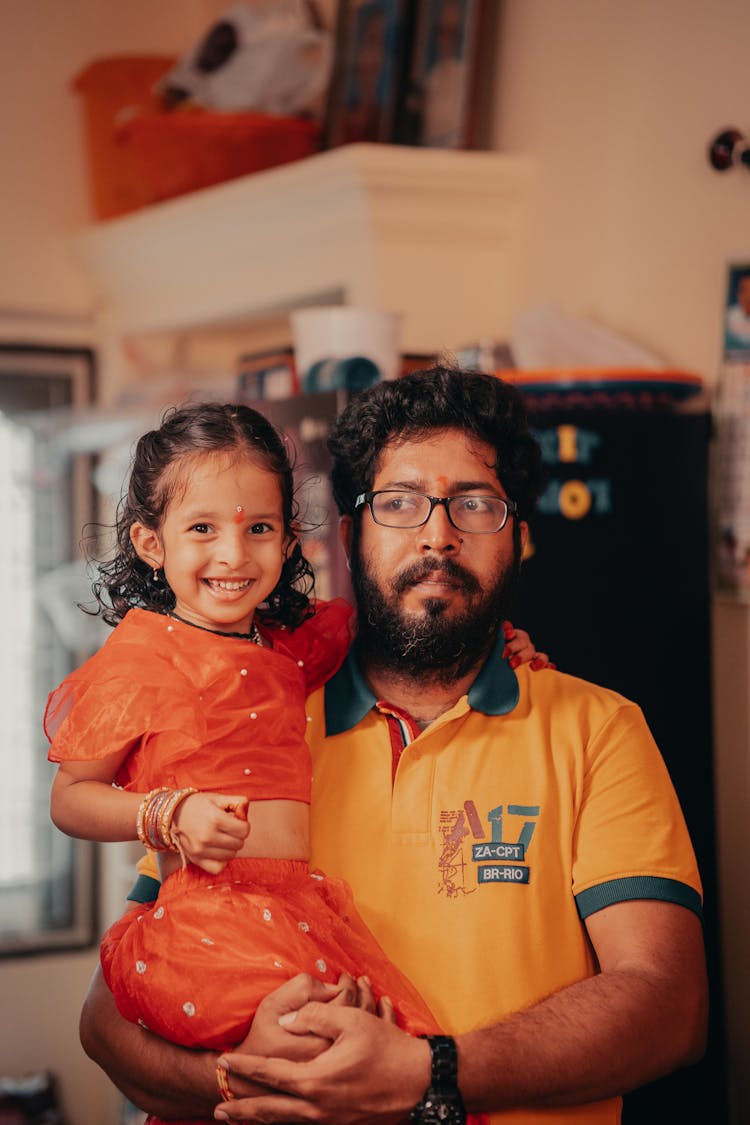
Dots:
pixel 253 636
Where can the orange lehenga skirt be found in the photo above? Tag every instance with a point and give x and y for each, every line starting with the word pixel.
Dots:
pixel 194 965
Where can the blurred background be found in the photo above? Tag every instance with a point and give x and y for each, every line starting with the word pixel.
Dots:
pixel 524 186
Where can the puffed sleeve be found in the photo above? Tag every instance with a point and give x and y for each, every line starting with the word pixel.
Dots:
pixel 117 700
pixel 90 719
pixel 320 643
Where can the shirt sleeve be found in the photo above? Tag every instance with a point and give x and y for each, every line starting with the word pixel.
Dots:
pixel 147 884
pixel 631 841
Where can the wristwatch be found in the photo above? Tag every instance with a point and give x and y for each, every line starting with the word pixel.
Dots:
pixel 441 1103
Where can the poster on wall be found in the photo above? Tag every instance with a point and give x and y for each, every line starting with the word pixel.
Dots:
pixel 370 36
pixel 438 103
pixel 732 471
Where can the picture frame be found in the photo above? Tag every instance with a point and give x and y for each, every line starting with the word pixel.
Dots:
pixel 737 313
pixel 369 70
pixel 439 100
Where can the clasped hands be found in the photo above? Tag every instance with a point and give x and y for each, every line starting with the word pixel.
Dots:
pixel 325 1052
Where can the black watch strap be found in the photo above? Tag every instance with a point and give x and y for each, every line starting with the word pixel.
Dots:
pixel 444 1062
pixel 442 1103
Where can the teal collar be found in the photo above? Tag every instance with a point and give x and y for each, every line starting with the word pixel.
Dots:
pixel 348 697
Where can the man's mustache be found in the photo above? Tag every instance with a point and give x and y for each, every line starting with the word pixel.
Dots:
pixel 418 571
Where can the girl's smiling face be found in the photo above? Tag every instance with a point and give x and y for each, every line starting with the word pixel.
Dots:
pixel 222 541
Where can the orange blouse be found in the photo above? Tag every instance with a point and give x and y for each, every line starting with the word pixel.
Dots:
pixel 200 709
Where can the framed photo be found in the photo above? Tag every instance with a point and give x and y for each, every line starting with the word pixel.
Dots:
pixel 439 102
pixel 737 313
pixel 368 71
pixel 732 461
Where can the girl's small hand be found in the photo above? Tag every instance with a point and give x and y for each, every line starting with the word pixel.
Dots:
pixel 269 1038
pixel 519 649
pixel 211 828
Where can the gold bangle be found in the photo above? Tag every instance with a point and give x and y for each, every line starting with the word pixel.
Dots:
pixel 141 823
pixel 223 1083
pixel 168 831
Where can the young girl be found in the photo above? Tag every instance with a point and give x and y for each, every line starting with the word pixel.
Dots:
pixel 187 731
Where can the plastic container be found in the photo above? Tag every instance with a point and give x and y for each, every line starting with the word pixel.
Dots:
pixel 139 154
pixel 340 332
pixel 169 154
pixel 112 90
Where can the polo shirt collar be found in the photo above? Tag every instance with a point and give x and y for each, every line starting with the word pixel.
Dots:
pixel 348 698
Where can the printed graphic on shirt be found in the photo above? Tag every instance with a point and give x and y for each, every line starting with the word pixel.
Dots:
pixel 480 851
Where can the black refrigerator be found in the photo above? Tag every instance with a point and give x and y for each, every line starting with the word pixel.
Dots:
pixel 616 588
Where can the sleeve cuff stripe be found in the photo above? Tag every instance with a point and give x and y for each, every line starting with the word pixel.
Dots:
pixel 145 889
pixel 638 887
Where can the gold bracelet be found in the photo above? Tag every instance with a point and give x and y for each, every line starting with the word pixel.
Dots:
pixel 223 1083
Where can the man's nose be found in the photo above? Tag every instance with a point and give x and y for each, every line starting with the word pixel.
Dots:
pixel 439 534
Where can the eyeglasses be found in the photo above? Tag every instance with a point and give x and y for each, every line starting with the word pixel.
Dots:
pixel 482 515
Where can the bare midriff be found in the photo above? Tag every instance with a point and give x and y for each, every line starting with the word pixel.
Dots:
pixel 278 830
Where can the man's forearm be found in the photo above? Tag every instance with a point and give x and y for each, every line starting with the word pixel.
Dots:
pixel 642 1016
pixel 157 1076
pixel 595 1039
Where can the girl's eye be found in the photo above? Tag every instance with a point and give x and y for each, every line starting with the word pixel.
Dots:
pixel 260 528
pixel 201 528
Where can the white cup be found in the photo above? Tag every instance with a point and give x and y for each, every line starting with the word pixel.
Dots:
pixel 345 331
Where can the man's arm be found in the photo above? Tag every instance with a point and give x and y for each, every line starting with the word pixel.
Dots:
pixel 175 1082
pixel 643 1015
pixel 157 1076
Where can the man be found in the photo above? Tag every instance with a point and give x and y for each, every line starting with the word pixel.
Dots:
pixel 513 840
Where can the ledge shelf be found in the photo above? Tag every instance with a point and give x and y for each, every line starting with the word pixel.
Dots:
pixel 434 234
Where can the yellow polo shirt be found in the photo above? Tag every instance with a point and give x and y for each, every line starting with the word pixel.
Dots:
pixel 535 801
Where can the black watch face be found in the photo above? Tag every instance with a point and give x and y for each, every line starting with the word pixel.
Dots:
pixel 441 1111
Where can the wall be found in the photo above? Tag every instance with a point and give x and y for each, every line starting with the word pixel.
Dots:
pixel 615 102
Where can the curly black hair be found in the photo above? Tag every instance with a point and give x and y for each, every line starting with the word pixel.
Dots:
pixel 125 581
pixel 435 398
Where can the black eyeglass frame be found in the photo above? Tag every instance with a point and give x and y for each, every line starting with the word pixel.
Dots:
pixel 511 508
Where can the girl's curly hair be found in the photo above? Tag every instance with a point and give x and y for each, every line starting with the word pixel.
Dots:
pixel 158 473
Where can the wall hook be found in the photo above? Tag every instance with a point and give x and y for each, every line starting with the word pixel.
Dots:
pixel 728 149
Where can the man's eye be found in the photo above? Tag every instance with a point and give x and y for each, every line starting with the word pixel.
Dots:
pixel 399 503
pixel 475 504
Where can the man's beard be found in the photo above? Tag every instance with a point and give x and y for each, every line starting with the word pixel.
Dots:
pixel 432 644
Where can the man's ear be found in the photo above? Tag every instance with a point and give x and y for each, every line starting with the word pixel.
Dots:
pixel 346 530
pixel 147 545
pixel 523 528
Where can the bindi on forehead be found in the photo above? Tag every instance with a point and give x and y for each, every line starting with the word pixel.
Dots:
pixel 239 514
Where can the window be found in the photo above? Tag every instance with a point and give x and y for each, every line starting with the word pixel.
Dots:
pixel 46 880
